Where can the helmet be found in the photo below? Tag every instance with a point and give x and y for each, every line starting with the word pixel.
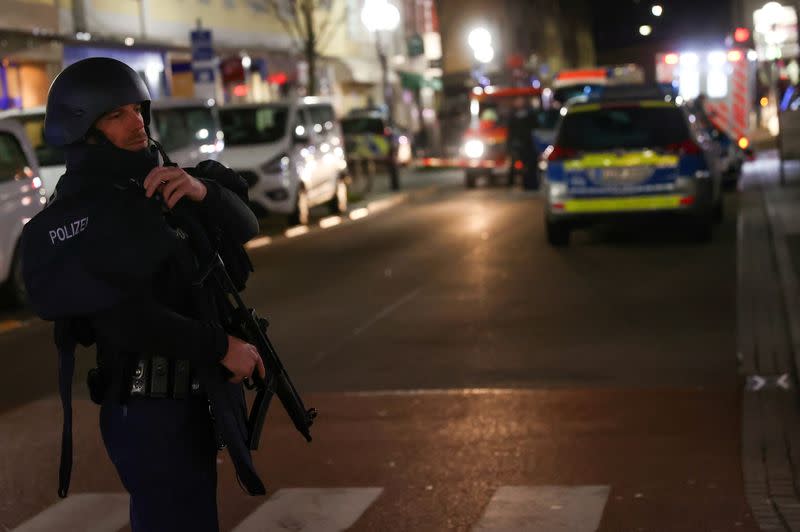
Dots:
pixel 85 91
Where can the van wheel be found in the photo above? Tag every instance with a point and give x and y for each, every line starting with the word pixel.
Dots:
pixel 338 203
pixel 300 215
pixel 14 291
pixel 469 179
pixel 557 233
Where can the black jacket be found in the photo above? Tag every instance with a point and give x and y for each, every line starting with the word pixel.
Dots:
pixel 111 266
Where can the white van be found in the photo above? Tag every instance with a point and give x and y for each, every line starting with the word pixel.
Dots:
pixel 188 129
pixel 21 197
pixel 290 153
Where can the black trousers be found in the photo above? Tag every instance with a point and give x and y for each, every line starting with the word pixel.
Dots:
pixel 165 453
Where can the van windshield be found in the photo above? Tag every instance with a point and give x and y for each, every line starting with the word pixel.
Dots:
pixel 46 155
pixel 185 126
pixel 254 125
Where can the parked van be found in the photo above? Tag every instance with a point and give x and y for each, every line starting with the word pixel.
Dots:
pixel 290 154
pixel 188 129
pixel 21 197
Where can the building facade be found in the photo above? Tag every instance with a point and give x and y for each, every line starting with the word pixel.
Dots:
pixel 252 53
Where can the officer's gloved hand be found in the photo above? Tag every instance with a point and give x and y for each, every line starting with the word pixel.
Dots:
pixel 242 359
pixel 173 183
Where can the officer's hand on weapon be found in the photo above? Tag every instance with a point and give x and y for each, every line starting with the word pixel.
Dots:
pixel 173 183
pixel 242 359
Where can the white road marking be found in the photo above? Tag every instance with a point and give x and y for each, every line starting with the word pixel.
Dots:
pixel 84 512
pixel 359 213
pixel 550 508
pixel 258 242
pixel 310 510
pixel 330 221
pixel 297 230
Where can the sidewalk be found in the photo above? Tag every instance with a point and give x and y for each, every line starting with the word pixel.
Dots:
pixel 769 341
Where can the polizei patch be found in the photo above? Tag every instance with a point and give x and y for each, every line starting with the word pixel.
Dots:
pixel 67 231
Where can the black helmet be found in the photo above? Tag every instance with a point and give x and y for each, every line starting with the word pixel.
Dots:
pixel 85 91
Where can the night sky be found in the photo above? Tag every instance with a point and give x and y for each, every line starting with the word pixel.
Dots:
pixel 684 23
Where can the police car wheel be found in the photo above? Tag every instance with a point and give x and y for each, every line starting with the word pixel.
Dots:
pixel 557 233
pixel 300 215
pixel 702 228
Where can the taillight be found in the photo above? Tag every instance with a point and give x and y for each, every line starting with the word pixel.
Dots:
pixel 558 153
pixel 687 147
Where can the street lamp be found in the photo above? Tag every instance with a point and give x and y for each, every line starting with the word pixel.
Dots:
pixel 378 16
pixel 656 10
pixel 645 30
pixel 480 40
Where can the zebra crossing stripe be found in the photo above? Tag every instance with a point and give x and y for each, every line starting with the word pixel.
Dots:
pixel 551 508
pixel 83 512
pixel 310 509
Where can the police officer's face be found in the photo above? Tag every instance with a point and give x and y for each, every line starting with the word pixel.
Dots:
pixel 124 127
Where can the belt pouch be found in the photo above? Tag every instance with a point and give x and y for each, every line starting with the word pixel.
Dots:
pixel 159 377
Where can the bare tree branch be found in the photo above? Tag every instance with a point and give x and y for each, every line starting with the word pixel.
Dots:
pixel 326 35
pixel 290 25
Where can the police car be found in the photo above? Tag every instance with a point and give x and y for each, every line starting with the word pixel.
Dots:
pixel 21 197
pixel 620 155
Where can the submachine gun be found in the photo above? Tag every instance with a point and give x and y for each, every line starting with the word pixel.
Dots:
pixel 243 322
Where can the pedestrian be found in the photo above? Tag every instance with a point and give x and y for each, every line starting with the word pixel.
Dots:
pixel 520 142
pixel 109 261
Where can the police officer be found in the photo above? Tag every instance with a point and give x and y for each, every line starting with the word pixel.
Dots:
pixel 126 277
pixel 520 142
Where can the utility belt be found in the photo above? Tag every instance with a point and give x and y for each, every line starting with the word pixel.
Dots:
pixel 160 377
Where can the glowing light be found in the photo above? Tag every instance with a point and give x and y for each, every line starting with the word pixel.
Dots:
pixel 380 15
pixel 479 38
pixel 741 34
pixel 37 182
pixel 744 143
pixel 645 30
pixel 734 56
pixel 129 41
pixel 716 58
pixel 474 148
pixel 764 101
pixel 246 61
pixel 300 131
pixel 671 59
pixel 752 55
pixel 26 200
pixel 241 90
pixel 202 134
pixel 689 58
pixel 485 55
pixel 656 10
pixel 563 111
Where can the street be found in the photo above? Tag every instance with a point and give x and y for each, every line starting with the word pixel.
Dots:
pixel 468 376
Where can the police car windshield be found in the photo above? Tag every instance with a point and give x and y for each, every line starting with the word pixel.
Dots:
pixel 184 126
pixel 254 125
pixel 361 125
pixel 622 127
pixel 46 155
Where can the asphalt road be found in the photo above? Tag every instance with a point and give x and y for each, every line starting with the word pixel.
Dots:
pixel 466 373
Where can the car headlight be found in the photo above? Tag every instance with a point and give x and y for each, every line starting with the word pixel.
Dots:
pixel 474 148
pixel 278 165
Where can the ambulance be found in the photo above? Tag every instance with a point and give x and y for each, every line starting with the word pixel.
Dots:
pixel 724 81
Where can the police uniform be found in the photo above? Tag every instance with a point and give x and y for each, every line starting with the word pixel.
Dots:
pixel 114 268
